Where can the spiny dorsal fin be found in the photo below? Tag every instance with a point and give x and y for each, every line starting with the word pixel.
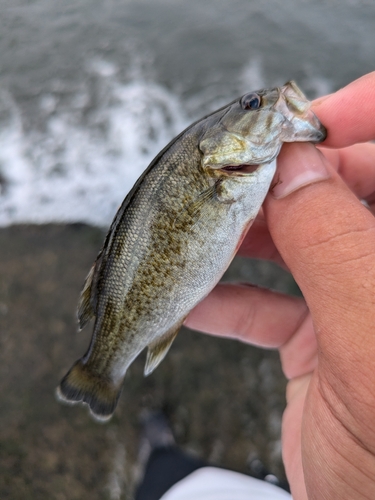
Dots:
pixel 158 349
pixel 87 300
pixel 85 310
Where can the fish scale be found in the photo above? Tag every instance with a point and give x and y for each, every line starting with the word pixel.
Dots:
pixel 176 233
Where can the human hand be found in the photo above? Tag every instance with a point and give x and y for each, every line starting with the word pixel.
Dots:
pixel 315 225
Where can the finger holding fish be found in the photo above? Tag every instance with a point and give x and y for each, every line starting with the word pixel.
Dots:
pixel 355 164
pixel 354 106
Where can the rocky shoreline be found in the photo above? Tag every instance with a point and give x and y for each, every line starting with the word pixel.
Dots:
pixel 224 399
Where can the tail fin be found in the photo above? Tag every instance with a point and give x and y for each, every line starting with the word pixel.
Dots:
pixel 81 384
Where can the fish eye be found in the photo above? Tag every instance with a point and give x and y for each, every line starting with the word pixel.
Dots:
pixel 251 101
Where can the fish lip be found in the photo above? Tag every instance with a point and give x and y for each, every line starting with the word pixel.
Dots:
pixel 311 130
pixel 323 134
pixel 296 109
pixel 318 131
pixel 317 135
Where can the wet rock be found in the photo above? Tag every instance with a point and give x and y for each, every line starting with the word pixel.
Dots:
pixel 224 399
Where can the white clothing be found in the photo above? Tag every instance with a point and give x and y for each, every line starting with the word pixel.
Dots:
pixel 211 483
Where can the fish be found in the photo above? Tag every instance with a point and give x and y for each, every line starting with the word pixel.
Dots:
pixel 176 233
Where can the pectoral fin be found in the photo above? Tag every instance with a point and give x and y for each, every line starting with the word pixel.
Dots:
pixel 158 349
pixel 193 212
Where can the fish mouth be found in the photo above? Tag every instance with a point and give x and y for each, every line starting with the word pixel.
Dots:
pixel 321 134
pixel 242 169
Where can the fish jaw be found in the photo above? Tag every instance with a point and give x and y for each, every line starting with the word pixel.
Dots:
pixel 301 124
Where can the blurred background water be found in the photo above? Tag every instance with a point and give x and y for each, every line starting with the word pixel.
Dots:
pixel 90 91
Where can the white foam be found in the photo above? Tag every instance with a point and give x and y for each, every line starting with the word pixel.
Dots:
pixel 252 76
pixel 90 153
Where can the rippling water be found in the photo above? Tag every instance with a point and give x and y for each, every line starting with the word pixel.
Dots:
pixel 90 91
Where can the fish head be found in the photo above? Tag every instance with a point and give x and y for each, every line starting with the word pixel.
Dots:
pixel 251 130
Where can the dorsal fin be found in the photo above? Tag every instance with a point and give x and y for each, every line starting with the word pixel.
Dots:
pixel 87 299
pixel 85 309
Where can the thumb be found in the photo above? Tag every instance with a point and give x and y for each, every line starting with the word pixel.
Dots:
pixel 327 239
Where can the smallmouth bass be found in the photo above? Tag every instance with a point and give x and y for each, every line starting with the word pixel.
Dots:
pixel 176 233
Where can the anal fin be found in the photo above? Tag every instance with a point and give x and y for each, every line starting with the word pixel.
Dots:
pixel 158 349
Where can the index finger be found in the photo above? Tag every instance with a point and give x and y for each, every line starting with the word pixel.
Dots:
pixel 348 114
pixel 248 313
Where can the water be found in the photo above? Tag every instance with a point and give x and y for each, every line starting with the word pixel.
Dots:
pixel 90 91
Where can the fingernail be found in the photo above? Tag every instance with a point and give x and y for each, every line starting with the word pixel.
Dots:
pixel 298 165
